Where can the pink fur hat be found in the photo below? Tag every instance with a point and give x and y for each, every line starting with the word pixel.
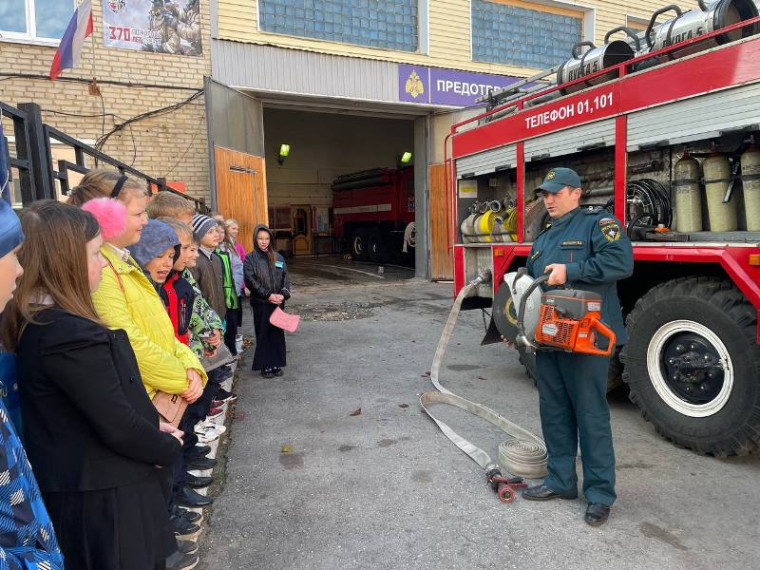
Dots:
pixel 111 215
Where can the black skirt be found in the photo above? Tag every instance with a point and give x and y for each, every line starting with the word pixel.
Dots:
pixel 270 340
pixel 124 528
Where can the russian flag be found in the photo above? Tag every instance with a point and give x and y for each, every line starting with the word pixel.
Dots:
pixel 70 49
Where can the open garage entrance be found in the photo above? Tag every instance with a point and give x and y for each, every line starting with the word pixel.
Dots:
pixel 339 184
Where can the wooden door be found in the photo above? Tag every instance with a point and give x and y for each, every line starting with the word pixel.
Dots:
pixel 441 247
pixel 302 230
pixel 241 191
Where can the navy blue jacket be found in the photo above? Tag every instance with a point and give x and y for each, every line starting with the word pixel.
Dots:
pixel 597 253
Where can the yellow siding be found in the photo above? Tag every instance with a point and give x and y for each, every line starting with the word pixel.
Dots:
pixel 449 31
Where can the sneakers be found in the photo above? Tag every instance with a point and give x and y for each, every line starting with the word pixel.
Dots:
pixel 209 431
pixel 201 463
pixel 184 530
pixel 188 497
pixel 200 450
pixel 198 481
pixel 214 413
pixel 189 516
pixel 223 395
pixel 180 561
pixel 187 546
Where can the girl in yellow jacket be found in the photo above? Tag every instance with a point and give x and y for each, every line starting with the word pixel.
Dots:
pixel 125 298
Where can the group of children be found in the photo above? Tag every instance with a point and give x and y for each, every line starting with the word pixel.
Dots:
pixel 170 281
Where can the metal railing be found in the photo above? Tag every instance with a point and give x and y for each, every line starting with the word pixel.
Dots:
pixel 38 173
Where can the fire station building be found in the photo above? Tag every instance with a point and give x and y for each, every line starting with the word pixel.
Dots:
pixel 320 90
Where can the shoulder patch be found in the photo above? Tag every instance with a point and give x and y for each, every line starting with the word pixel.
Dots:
pixel 610 229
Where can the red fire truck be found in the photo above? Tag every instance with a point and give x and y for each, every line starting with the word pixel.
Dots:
pixel 665 134
pixel 373 213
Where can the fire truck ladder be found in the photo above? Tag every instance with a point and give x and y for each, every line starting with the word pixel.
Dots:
pixel 518 90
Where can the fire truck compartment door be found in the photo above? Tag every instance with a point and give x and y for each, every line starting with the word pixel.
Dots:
pixel 698 118
pixel 568 141
pixel 502 158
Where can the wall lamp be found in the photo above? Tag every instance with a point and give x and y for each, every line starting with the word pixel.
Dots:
pixel 284 152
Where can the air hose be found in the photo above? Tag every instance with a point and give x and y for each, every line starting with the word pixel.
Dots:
pixel 523 455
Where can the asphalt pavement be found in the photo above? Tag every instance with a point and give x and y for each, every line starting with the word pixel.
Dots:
pixel 335 465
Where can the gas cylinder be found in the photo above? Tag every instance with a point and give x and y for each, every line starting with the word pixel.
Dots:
pixel 700 21
pixel 592 60
pixel 750 162
pixel 687 196
pixel 716 170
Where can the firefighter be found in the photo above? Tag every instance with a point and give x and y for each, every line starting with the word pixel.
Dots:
pixel 585 249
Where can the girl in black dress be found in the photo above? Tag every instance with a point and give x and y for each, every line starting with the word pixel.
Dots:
pixel 92 435
pixel 266 276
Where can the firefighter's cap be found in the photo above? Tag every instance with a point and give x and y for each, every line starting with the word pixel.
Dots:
pixel 557 178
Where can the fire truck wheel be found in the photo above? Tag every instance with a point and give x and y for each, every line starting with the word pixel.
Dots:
pixel 693 365
pixel 376 247
pixel 359 244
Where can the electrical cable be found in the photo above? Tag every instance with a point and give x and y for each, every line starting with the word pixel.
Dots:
pixel 147 115
pixel 6 76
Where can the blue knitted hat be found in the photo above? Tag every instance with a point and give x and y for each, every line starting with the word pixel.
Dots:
pixel 11 235
pixel 156 238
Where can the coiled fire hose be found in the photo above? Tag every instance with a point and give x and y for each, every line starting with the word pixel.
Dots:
pixel 524 455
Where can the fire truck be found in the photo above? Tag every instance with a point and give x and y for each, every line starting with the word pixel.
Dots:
pixel 373 213
pixel 664 129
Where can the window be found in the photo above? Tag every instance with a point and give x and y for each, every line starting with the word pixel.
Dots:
pixel 540 38
pixel 44 20
pixel 390 24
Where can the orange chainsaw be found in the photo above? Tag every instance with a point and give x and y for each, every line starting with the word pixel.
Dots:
pixel 569 320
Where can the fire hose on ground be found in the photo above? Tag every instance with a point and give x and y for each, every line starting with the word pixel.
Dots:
pixel 524 455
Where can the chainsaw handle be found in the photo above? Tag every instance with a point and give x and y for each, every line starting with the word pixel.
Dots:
pixel 601 329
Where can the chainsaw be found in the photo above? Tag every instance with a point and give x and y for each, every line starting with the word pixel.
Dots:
pixel 564 319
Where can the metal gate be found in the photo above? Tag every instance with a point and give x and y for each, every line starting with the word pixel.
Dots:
pixel 39 177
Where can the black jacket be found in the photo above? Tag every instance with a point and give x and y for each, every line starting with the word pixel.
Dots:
pixel 262 279
pixel 88 422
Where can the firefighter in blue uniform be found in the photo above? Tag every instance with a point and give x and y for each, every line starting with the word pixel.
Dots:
pixel 585 249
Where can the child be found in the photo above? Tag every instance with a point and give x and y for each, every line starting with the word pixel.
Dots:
pixel 28 536
pixel 170 205
pixel 232 280
pixel 204 332
pixel 266 275
pixel 156 252
pixel 209 271
pixel 92 434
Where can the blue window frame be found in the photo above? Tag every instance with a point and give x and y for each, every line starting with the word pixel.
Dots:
pixel 389 24
pixel 532 38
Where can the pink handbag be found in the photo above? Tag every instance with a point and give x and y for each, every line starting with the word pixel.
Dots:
pixel 285 321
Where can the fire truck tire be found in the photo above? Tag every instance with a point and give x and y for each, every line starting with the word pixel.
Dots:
pixel 359 244
pixel 693 365
pixel 376 247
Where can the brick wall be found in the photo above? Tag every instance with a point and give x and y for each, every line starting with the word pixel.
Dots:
pixel 173 145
